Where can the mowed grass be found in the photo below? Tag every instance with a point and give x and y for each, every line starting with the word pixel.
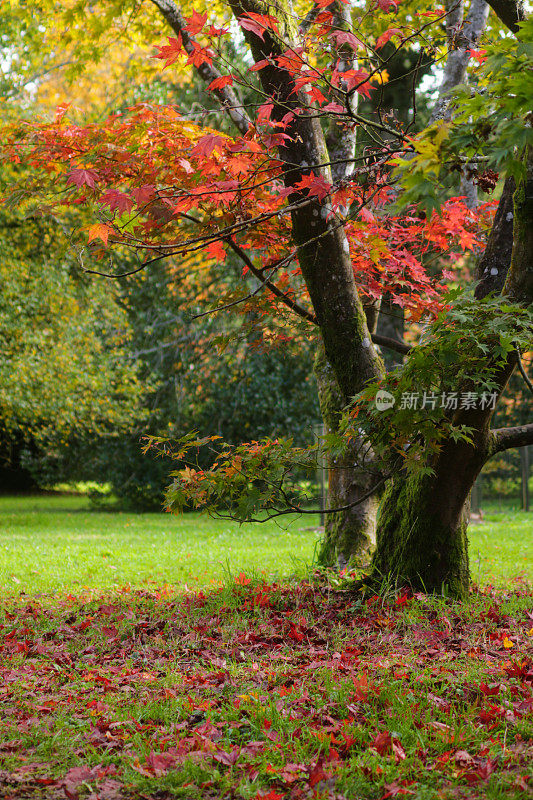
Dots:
pixel 51 544
pixel 58 544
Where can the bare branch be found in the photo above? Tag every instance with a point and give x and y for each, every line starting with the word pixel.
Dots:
pixel 391 344
pixel 506 438
pixel 296 307
pixel 522 371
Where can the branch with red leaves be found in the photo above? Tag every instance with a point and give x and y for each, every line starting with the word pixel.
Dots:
pixel 217 82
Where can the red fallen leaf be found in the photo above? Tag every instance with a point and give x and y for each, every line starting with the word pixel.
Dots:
pixel 398 751
pixel 46 708
pixel 491 713
pixel 161 763
pixel 517 669
pixel 317 773
pixel 291 773
pixel 481 773
pixel 272 795
pixel 295 634
pixel 361 687
pixel 493 689
pixel 108 790
pixel 229 759
pixel 382 743
pixel 242 580
pixel 462 758
pixel 394 789
pixel 98 706
pixel 74 778
pixel 404 598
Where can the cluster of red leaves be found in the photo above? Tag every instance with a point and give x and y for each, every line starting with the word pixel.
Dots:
pixel 291 690
pixel 164 187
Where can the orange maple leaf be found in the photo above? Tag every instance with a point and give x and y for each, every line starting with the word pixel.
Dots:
pixel 100 231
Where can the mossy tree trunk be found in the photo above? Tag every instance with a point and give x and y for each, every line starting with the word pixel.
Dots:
pixel 349 535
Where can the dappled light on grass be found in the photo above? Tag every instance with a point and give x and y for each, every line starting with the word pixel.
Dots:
pixel 267 690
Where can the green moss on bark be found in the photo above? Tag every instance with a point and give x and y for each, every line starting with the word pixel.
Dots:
pixel 419 542
pixel 349 535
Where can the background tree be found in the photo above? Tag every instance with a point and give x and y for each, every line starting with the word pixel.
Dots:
pixel 66 371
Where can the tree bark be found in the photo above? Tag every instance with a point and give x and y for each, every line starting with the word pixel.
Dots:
pixel 349 535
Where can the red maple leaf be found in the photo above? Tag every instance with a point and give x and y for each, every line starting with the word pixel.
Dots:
pixel 170 52
pixel 220 82
pixel 384 38
pixel 317 773
pixel 195 22
pixel 205 146
pixel 83 177
pixel 117 200
pixel 259 23
pixel 345 37
pixel 382 743
pixel 316 184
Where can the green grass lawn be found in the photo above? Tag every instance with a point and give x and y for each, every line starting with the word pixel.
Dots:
pixel 57 543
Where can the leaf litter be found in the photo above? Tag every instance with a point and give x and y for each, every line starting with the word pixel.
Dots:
pixel 266 690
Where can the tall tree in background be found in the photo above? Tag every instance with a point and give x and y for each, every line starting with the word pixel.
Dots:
pixel 333 241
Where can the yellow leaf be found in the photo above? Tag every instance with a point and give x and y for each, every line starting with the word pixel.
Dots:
pixel 507 643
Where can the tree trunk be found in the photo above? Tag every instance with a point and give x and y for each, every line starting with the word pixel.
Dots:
pixel 421 537
pixel 349 535
pixel 421 534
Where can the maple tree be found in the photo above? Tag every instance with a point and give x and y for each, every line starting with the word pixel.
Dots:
pixel 326 231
